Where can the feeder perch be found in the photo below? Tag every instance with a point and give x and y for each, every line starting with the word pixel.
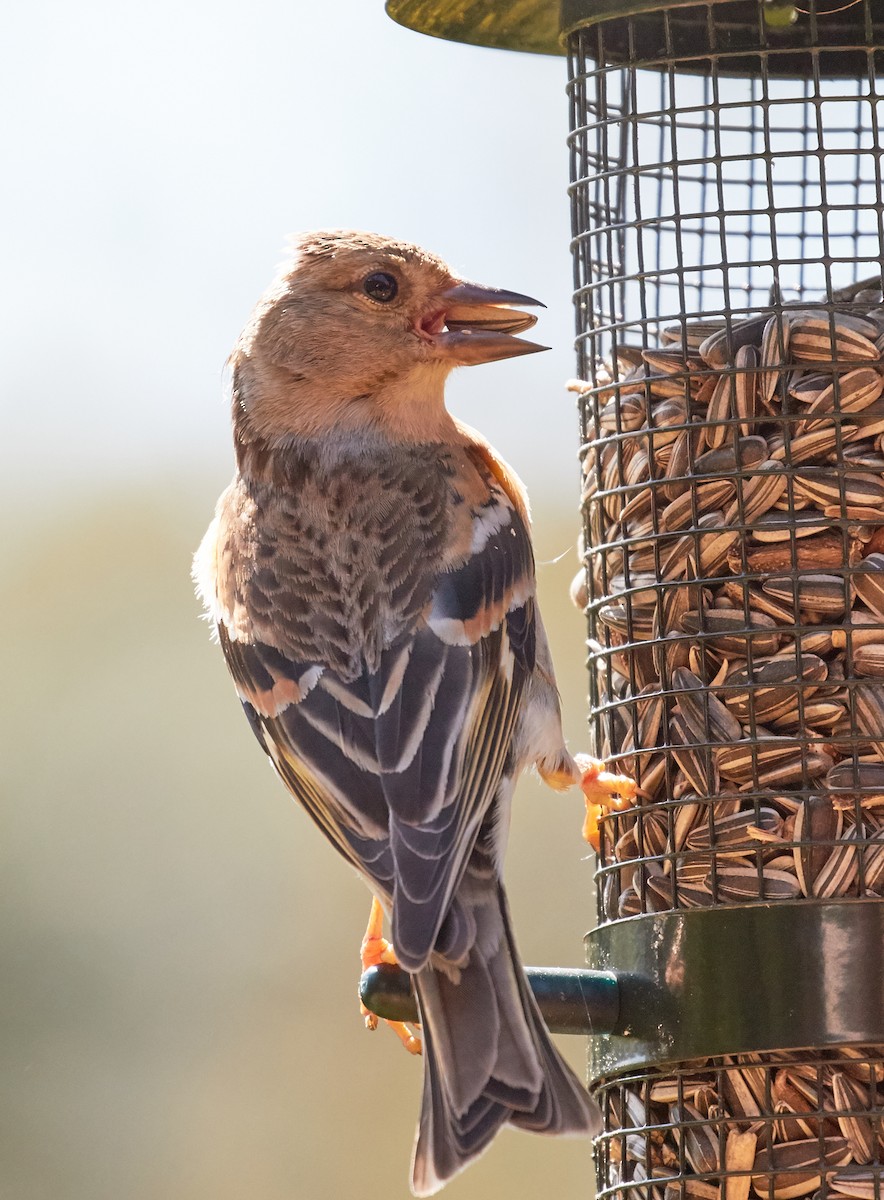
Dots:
pixel 728 235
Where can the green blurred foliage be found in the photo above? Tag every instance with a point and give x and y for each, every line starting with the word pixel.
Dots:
pixel 179 946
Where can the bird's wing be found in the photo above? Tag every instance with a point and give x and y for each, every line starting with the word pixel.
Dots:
pixel 400 762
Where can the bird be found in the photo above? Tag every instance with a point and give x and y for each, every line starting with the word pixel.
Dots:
pixel 369 576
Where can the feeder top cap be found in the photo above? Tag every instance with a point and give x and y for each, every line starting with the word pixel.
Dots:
pixel 836 32
pixel 531 25
pixel 535 26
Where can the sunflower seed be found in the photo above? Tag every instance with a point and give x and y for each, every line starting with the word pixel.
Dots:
pixel 771 759
pixel 636 469
pixel 816 821
pixel 816 444
pixel 666 414
pixel 640 587
pixel 715 547
pixel 746 387
pixel 639 504
pixel 735 584
pixel 629 356
pixel 838 874
pixel 789 1099
pixel 849 1095
pixel 645 730
pixel 678 469
pixel 815 642
pixel 856 489
pixel 730 631
pixel 744 455
pixel 789 1127
pixel 720 410
pixel 670 1091
pixel 705 715
pixel 737 594
pixel 758 494
pixel 797 1168
pixel 774 354
pixel 719 347
pixel 872 865
pixel 808 386
pixel 691 1188
pixel 697 764
pixel 820 593
pixel 839 339
pixel 780 527
pixel 868 579
pixel 680 513
pixel 700 1144
pixel 629 904
pixel 862 1185
pixel 669 387
pixel 770 682
pixel 730 834
pixel 869 659
pixel 851 291
pixel 863 1063
pixel 869 704
pixel 626 412
pixel 747 883
pixel 848 393
pixel 814 716
pixel 854 512
pixel 853 782
pixel 671 362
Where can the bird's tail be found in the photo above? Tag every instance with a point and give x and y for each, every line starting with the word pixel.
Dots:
pixel 488 1058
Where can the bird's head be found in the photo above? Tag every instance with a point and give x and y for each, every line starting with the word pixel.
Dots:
pixel 358 330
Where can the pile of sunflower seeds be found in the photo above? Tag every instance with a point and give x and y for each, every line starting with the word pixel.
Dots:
pixel 734 496
pixel 736 1126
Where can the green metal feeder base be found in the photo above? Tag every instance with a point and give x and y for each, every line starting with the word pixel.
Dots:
pixel 730 980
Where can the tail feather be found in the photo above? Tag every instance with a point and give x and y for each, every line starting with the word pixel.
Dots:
pixel 488 1056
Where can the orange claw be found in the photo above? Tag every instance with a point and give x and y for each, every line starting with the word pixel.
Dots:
pixel 376 949
pixel 603 791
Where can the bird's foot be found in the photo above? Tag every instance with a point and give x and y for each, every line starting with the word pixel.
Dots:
pixel 376 949
pixel 603 792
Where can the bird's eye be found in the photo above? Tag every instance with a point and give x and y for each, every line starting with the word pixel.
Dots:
pixel 380 285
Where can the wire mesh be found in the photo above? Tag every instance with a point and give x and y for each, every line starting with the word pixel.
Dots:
pixel 727 210
pixel 807 1125
pixel 728 283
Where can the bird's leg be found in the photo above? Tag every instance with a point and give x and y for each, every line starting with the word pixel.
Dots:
pixel 603 791
pixel 376 949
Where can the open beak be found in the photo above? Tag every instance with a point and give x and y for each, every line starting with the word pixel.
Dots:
pixel 479 324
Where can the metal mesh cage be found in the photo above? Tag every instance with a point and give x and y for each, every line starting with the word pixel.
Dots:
pixel 728 238
pixel 806 1124
pixel 727 215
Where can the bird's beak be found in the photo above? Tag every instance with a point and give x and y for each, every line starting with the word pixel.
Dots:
pixel 479 324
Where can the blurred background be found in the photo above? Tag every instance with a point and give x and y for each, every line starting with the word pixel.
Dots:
pixel 179 948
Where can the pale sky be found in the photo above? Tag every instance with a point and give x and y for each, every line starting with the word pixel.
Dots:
pixel 157 156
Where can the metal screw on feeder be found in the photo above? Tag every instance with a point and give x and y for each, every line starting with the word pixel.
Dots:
pixel 727 197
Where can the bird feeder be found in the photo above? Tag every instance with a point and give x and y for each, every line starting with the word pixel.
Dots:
pixel 728 236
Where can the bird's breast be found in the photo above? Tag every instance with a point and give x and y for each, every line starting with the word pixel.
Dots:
pixel 333 566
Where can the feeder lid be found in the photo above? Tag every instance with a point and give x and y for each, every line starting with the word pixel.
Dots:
pixel 536 26
pixel 542 27
pixel 531 25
